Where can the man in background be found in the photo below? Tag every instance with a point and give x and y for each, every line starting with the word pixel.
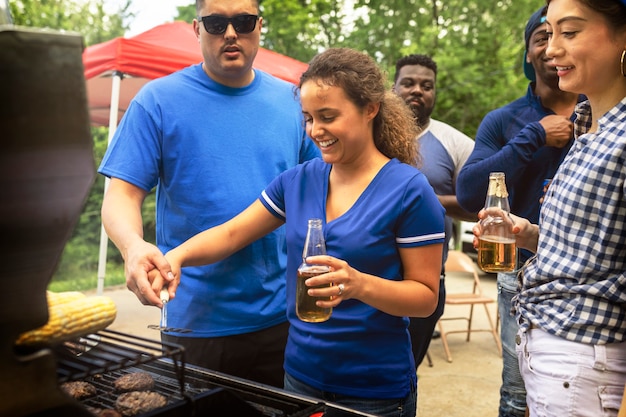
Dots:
pixel 526 139
pixel 443 151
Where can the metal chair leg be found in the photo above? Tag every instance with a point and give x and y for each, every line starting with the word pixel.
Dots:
pixel 429 359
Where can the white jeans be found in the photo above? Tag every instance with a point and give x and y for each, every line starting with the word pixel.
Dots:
pixel 570 379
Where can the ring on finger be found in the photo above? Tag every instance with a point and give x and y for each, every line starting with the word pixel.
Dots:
pixel 341 288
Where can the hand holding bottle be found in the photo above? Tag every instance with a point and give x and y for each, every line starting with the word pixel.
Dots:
pixel 525 233
pixel 496 245
pixel 321 279
pixel 306 305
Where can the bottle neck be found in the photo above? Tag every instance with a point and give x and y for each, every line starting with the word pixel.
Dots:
pixel 314 243
pixel 497 194
pixel 499 202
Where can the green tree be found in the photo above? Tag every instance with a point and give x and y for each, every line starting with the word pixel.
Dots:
pixel 300 29
pixel 478 46
pixel 88 18
pixel 85 17
pixel 186 13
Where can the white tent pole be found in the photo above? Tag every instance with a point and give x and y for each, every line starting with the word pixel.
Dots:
pixel 104 239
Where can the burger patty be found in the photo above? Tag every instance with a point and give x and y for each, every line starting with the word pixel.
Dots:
pixel 135 381
pixel 138 402
pixel 79 389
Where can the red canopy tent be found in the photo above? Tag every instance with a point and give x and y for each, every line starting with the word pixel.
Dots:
pixel 117 69
pixel 152 54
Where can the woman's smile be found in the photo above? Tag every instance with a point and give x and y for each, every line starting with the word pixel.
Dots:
pixel 327 143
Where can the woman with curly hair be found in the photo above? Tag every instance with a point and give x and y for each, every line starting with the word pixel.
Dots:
pixel 384 231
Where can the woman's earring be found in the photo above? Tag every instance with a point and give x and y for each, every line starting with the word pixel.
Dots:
pixel 623 63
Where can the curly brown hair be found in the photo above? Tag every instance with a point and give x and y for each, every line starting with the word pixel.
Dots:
pixel 363 82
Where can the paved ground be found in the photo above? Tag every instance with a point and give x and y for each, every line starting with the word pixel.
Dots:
pixel 467 387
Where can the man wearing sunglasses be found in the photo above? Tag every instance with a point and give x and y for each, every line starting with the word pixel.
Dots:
pixel 209 138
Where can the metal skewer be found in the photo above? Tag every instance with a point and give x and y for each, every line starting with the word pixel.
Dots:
pixel 165 298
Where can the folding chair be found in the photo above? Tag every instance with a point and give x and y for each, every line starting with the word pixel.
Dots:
pixel 460 262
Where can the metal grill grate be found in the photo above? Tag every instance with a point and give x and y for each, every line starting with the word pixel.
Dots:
pixel 167 386
pixel 109 350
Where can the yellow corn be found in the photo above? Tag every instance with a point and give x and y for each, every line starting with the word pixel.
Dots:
pixel 56 298
pixel 71 319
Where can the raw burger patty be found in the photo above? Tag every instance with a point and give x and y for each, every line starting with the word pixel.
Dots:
pixel 135 381
pixel 139 402
pixel 79 389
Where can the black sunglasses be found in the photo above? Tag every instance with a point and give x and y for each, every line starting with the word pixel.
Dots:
pixel 217 24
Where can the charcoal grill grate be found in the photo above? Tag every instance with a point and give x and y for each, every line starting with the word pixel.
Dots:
pixel 109 350
pixel 107 395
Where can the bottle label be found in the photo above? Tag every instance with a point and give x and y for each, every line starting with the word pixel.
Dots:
pixel 497 188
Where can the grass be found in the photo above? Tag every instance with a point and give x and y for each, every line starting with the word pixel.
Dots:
pixel 88 281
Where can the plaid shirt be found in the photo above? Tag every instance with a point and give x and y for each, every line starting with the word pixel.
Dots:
pixel 575 285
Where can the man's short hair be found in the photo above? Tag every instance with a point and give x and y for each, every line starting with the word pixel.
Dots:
pixel 415 59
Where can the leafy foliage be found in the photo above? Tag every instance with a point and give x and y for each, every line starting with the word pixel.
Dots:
pixel 80 257
pixel 86 17
pixel 477 44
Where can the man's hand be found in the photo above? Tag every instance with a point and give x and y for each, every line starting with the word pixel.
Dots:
pixel 147 271
pixel 559 130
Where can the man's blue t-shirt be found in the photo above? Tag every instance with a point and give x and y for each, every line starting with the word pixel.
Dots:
pixel 210 150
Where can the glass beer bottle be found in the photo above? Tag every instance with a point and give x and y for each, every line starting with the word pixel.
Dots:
pixel 306 309
pixel 496 245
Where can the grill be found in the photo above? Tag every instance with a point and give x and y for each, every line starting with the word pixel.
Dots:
pixel 190 391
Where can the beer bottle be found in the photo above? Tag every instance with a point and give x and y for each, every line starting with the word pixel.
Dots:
pixel 306 309
pixel 496 245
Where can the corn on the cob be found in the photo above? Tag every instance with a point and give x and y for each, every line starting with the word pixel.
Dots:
pixel 72 319
pixel 57 298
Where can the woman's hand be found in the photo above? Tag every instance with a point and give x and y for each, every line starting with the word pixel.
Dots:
pixel 174 274
pixel 526 233
pixel 414 296
pixel 342 281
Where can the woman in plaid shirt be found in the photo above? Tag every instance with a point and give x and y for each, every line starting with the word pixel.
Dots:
pixel 572 305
